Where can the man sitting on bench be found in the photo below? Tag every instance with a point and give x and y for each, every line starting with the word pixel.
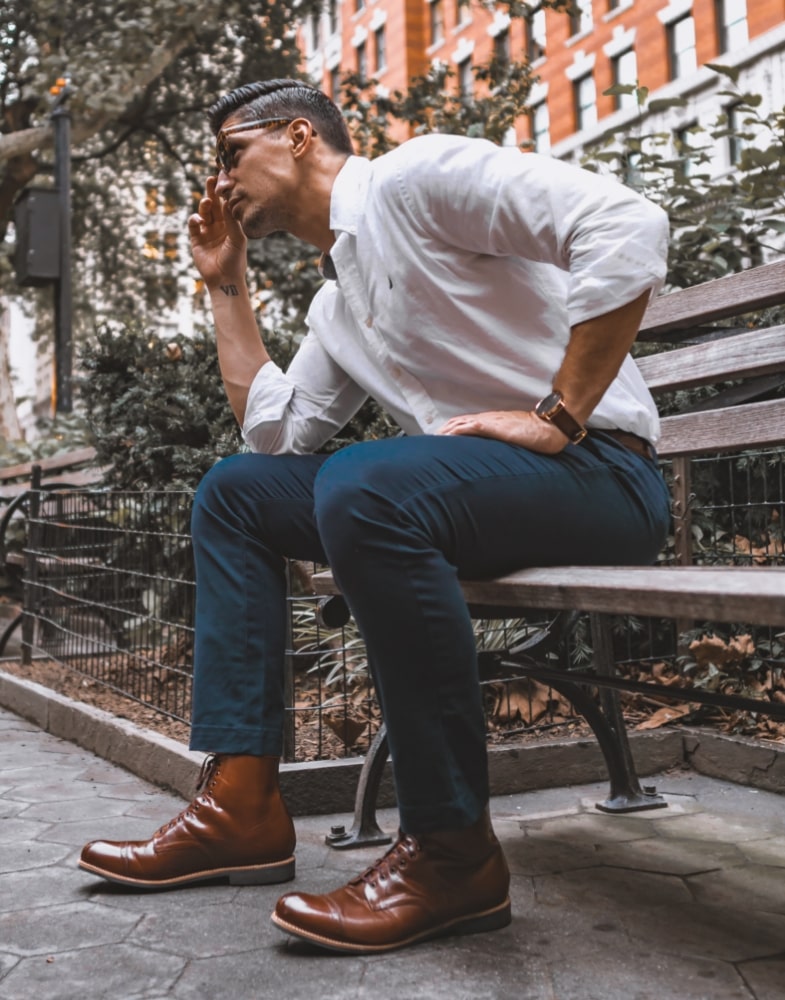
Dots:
pixel 487 300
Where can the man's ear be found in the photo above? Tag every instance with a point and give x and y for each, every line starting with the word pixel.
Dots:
pixel 301 133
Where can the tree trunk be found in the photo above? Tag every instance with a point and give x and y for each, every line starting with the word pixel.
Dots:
pixel 9 420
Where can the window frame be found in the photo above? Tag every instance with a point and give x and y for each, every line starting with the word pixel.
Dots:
pixel 676 68
pixel 579 108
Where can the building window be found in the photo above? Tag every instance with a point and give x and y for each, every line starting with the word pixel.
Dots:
pixel 580 16
pixel 535 35
pixel 731 24
pixel 686 149
pixel 463 13
pixel 311 34
pixel 437 22
pixel 380 49
pixel 632 170
pixel 501 48
pixel 361 55
pixel 585 94
pixel 171 240
pixel 335 83
pixel 152 244
pixel 332 12
pixel 465 78
pixel 738 140
pixel 625 74
pixel 158 247
pixel 681 47
pixel 541 128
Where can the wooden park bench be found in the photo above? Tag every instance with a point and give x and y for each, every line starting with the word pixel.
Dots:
pixel 20 487
pixel 739 417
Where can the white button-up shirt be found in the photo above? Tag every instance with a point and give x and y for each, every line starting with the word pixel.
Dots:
pixel 461 267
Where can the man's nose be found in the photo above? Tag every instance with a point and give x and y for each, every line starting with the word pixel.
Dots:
pixel 224 183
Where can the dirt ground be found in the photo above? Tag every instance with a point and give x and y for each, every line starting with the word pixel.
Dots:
pixel 80 688
pixel 331 736
pixel 323 731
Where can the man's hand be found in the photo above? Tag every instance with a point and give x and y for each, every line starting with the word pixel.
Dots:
pixel 521 427
pixel 218 244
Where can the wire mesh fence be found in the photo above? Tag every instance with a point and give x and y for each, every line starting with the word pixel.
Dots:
pixel 109 591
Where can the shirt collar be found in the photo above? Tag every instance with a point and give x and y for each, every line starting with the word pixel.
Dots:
pixel 350 189
pixel 347 201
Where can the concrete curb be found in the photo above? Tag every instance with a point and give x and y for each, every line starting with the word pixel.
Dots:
pixel 329 786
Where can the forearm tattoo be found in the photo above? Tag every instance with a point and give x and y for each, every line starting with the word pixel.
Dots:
pixel 229 289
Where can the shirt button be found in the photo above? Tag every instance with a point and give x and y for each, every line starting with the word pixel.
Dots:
pixel 369 320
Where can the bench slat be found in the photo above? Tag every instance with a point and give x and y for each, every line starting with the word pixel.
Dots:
pixel 754 595
pixel 78 479
pixel 63 460
pixel 734 429
pixel 760 352
pixel 732 295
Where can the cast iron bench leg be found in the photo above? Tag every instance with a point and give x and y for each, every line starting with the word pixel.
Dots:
pixel 11 628
pixel 605 718
pixel 626 793
pixel 365 830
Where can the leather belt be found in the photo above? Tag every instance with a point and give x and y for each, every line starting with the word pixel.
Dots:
pixel 637 444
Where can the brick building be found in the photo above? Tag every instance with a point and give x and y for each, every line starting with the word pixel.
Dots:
pixel 577 56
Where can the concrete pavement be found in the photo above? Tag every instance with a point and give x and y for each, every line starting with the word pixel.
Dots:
pixel 687 902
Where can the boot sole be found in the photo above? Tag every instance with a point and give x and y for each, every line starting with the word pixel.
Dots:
pixel 269 874
pixel 477 923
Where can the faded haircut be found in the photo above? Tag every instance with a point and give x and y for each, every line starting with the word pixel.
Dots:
pixel 284 99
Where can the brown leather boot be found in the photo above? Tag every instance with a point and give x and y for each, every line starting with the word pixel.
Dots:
pixel 453 882
pixel 236 827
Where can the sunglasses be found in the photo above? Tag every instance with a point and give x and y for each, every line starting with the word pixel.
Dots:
pixel 224 154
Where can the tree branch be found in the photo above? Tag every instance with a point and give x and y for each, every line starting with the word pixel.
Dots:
pixel 30 140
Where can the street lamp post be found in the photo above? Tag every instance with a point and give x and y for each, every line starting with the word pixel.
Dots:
pixel 61 121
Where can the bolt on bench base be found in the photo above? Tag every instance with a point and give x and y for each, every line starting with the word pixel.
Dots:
pixel 633 802
pixel 365 831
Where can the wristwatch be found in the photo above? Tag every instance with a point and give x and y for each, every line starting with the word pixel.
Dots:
pixel 552 408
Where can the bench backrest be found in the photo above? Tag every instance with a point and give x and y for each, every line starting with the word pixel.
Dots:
pixel 736 417
pixel 733 420
pixel 76 467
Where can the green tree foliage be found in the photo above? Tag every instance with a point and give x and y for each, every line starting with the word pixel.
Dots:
pixel 143 74
pixel 721 222
pixel 158 417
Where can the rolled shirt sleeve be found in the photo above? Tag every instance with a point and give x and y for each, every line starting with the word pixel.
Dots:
pixel 611 241
pixel 297 411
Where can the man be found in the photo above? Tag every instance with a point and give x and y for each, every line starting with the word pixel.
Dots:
pixel 488 300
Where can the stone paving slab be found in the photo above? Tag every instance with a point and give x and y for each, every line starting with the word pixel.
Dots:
pixel 687 902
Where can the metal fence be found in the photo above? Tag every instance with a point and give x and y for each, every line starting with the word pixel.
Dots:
pixel 109 592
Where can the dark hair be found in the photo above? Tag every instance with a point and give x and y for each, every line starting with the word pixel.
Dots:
pixel 287 99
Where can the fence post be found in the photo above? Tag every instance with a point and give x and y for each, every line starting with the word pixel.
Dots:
pixel 30 579
pixel 288 676
pixel 682 528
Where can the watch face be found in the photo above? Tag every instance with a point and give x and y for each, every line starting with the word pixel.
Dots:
pixel 551 402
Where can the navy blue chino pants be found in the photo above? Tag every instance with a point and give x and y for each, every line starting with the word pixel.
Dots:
pixel 400 522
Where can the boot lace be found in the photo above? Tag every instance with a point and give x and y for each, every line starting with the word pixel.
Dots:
pixel 404 850
pixel 204 783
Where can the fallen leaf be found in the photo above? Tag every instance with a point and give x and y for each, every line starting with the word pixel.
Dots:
pixel 665 715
